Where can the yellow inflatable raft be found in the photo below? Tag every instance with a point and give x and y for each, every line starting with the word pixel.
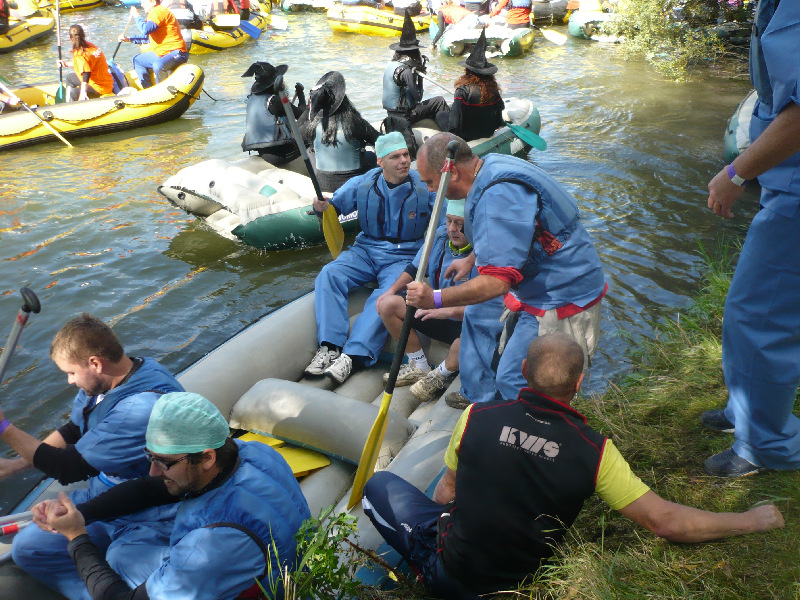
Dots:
pixel 163 102
pixel 371 21
pixel 213 39
pixel 69 5
pixel 25 32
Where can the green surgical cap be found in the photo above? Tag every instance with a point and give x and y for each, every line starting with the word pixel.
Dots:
pixel 455 208
pixel 386 144
pixel 182 422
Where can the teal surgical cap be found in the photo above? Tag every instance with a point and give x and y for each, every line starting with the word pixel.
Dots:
pixel 386 144
pixel 182 422
pixel 455 208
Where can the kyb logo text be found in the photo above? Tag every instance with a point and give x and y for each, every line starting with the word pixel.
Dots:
pixel 530 443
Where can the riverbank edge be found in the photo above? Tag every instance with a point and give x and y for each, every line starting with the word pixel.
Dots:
pixel 652 415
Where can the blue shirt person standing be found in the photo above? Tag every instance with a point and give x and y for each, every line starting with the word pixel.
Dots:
pixel 238 504
pixel 102 441
pixel 761 328
pixel 527 235
pixel 394 209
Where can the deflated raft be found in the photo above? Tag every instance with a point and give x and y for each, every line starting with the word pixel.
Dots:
pixel 501 41
pixel 268 207
pixel 371 21
pixel 163 102
pixel 260 387
pixel 22 33
pixel 737 132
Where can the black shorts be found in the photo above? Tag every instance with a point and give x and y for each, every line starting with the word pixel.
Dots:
pixel 441 330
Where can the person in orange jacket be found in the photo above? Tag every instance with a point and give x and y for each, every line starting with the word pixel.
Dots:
pixel 91 78
pixel 518 15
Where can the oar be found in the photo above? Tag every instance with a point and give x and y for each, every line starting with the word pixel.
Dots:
pixel 61 93
pixel 23 516
pixel 436 83
pixel 124 31
pixel 252 30
pixel 550 35
pixel 366 466
pixel 30 304
pixel 278 22
pixel 10 94
pixel 331 227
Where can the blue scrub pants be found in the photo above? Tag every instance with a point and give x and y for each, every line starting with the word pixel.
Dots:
pixel 477 356
pixel 161 66
pixel 761 342
pixel 407 519
pixel 44 555
pixel 355 267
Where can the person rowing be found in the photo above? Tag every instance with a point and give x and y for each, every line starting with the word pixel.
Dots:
pixel 91 78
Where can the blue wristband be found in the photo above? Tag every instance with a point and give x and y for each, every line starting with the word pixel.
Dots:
pixel 4 424
pixel 437 298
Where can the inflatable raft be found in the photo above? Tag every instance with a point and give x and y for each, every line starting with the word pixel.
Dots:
pixel 260 388
pixel 371 21
pixel 163 102
pixel 268 207
pixel 588 23
pixel 22 33
pixel 306 5
pixel 552 12
pixel 213 39
pixel 501 41
pixel 737 132
pixel 70 5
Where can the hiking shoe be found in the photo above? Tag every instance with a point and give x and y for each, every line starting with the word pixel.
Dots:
pixel 406 376
pixel 716 421
pixel 729 464
pixel 457 400
pixel 321 361
pixel 431 386
pixel 340 368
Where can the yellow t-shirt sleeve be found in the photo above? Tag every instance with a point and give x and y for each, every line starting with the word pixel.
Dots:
pixel 617 485
pixel 451 454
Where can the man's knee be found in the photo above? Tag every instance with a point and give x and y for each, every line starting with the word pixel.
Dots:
pixel 392 306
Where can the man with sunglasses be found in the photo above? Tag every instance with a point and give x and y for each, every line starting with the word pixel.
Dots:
pixel 239 508
pixel 102 441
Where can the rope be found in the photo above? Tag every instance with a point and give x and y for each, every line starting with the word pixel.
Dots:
pixel 209 95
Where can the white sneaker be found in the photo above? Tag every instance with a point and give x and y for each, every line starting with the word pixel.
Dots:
pixel 431 386
pixel 407 375
pixel 340 368
pixel 321 361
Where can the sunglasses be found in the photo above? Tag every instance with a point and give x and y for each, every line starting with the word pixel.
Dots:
pixel 164 465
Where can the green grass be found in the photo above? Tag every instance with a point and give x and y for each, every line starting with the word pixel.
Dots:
pixel 653 417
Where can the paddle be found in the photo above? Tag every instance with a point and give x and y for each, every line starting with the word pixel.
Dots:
pixel 552 36
pixel 10 94
pixel 61 95
pixel 278 22
pixel 23 516
pixel 366 466
pixel 250 29
pixel 124 31
pixel 331 227
pixel 225 20
pixel 30 304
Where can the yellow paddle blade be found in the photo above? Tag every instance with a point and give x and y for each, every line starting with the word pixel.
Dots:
pixel 226 20
pixel 301 460
pixel 278 22
pixel 366 466
pixel 554 36
pixel 333 232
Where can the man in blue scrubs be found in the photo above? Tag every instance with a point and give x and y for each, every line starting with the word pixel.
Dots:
pixel 394 208
pixel 761 328
pixel 102 442
pixel 527 236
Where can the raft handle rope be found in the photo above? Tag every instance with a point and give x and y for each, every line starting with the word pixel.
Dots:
pixel 209 95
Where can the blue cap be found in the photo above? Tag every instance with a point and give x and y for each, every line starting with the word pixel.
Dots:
pixel 182 422
pixel 386 144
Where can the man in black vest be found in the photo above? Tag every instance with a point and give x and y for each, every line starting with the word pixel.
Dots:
pixel 488 528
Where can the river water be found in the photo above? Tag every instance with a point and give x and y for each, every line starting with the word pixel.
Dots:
pixel 87 231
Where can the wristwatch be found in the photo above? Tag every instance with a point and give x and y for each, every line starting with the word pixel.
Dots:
pixel 735 178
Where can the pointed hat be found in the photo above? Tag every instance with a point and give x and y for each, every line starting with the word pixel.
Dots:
pixel 408 37
pixel 476 61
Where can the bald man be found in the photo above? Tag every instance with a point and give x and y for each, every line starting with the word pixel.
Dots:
pixel 488 528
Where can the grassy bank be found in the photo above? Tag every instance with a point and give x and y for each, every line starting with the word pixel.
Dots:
pixel 653 417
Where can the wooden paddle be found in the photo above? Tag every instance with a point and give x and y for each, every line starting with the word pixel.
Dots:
pixel 331 227
pixel 366 466
pixel 11 95
pixel 124 32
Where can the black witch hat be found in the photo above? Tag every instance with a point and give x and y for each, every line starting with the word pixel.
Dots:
pixel 328 94
pixel 408 37
pixel 265 75
pixel 476 61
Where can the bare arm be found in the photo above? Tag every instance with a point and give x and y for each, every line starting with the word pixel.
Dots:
pixel 679 523
pixel 477 290
pixel 446 488
pixel 778 142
